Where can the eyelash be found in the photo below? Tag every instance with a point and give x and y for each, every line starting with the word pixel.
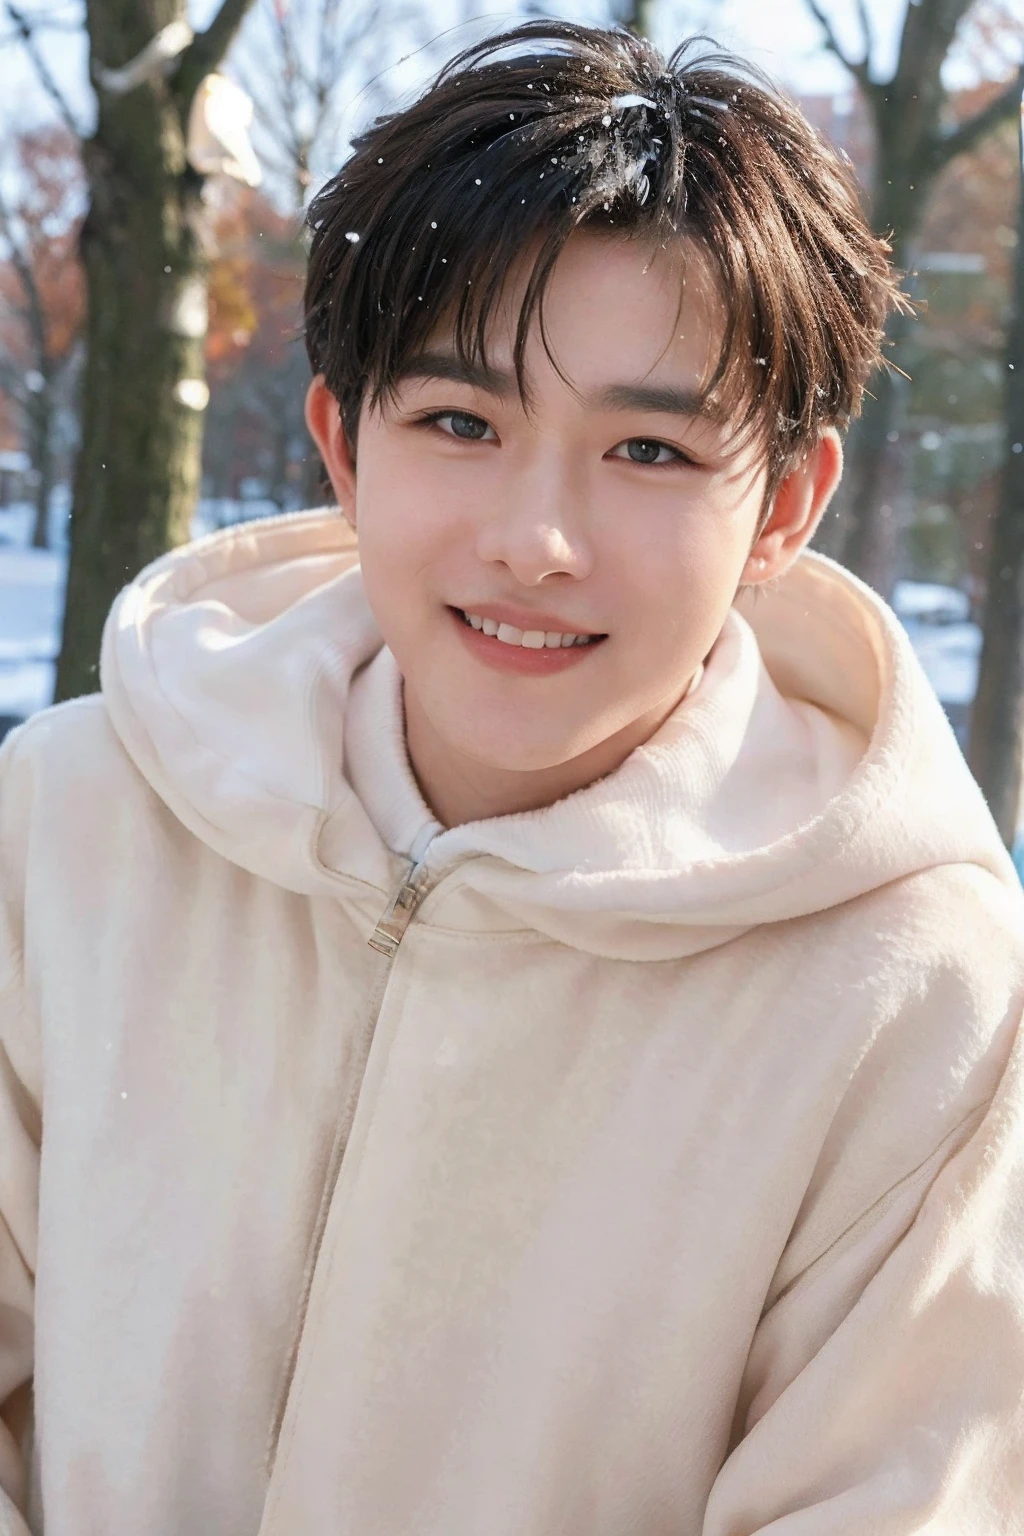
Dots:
pixel 432 417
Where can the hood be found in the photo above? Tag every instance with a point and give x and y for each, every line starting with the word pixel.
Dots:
pixel 810 765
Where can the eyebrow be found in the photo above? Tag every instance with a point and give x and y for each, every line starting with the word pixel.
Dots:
pixel 664 399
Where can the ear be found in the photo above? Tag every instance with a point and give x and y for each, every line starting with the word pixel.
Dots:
pixel 797 509
pixel 323 418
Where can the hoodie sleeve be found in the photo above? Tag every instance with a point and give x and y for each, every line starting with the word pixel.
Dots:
pixel 20 1124
pixel 884 1390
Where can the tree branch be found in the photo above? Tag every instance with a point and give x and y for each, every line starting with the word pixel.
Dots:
pixel 206 53
pixel 49 84
pixel 944 147
pixel 866 31
pixel 271 115
pixel 858 67
pixel 33 313
pixel 12 382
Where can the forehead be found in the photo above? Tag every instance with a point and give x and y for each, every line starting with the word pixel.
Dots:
pixel 614 308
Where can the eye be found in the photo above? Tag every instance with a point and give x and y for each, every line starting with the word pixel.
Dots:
pixel 464 426
pixel 647 452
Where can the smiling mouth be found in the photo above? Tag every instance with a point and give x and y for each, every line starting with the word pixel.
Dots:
pixel 528 639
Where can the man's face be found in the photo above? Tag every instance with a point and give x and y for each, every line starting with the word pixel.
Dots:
pixel 610 515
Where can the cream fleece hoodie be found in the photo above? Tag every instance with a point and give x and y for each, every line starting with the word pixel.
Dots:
pixel 651 1164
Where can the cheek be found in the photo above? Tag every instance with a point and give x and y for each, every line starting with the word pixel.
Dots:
pixel 668 563
pixel 397 527
pixel 679 578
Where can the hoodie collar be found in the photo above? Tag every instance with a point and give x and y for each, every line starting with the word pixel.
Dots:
pixel 691 792
pixel 376 764
pixel 247 679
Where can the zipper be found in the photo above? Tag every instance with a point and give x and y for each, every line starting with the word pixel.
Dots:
pixel 385 939
pixel 395 918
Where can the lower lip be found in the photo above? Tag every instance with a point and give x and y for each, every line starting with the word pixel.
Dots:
pixel 519 658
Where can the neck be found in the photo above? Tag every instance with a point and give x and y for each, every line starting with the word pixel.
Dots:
pixel 459 788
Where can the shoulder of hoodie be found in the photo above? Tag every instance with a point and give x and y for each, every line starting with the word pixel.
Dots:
pixel 65 770
pixel 945 914
pixel 50 764
pixel 932 964
pixel 936 961
pixel 75 736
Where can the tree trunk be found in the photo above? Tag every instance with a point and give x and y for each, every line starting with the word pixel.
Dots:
pixel 637 16
pixel 145 260
pixel 869 543
pixel 143 390
pixel 282 440
pixel 997 720
pixel 316 488
pixel 41 454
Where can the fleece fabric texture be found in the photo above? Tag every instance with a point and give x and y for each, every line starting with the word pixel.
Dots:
pixel 666 1180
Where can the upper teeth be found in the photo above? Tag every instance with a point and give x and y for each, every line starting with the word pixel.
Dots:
pixel 532 639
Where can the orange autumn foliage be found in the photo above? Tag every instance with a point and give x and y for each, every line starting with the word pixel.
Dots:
pixel 45 213
pixel 255 281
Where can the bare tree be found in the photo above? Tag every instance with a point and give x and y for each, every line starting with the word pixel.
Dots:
pixel 295 59
pixel 638 16
pixel 312 67
pixel 145 258
pixel 642 16
pixel 40 297
pixel 997 721
pixel 915 139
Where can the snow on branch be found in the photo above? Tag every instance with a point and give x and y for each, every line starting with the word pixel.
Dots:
pixel 204 55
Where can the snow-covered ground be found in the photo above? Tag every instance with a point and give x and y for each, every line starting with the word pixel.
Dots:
pixel 32 599
pixel 32 588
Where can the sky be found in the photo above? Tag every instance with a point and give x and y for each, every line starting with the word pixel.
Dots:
pixel 781 37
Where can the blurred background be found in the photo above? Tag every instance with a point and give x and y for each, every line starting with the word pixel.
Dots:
pixel 155 160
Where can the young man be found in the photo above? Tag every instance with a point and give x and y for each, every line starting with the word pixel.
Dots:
pixel 512 1030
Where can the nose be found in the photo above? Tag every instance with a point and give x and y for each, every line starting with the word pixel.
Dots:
pixel 538 529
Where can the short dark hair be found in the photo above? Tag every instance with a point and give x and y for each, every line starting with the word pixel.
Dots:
pixel 590 128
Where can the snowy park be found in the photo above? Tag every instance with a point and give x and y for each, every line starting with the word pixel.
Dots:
pixel 512 963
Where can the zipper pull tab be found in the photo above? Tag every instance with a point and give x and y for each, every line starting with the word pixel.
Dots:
pixel 395 919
